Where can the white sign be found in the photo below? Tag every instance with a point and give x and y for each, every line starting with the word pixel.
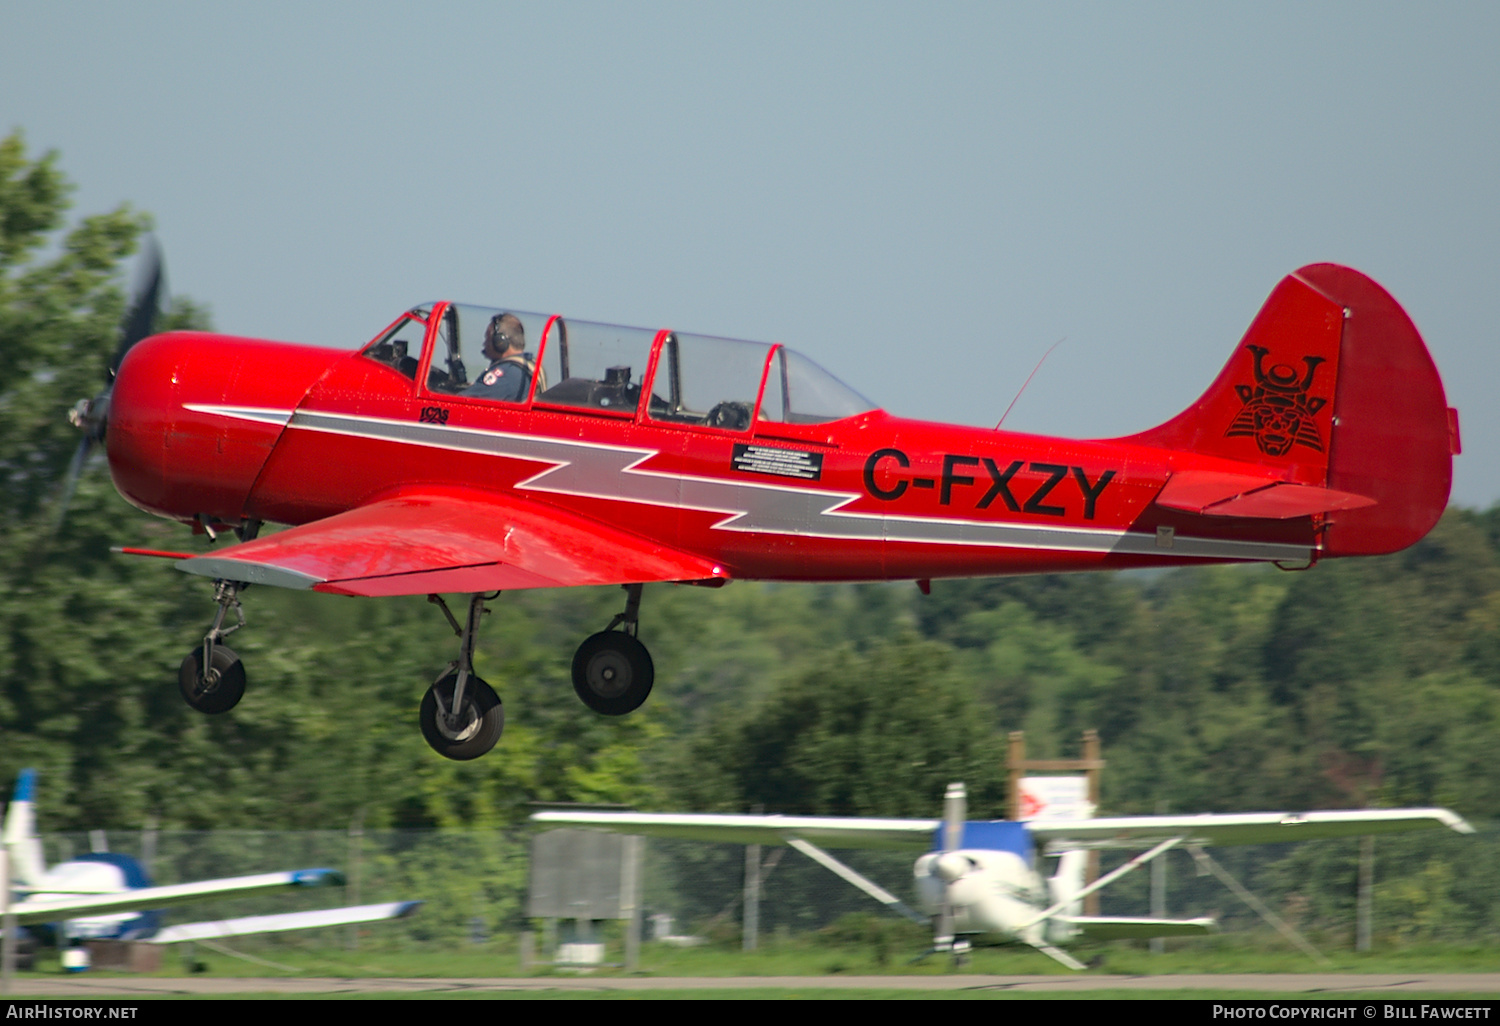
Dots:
pixel 1055 798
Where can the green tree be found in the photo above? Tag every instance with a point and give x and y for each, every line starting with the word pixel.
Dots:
pixel 59 320
pixel 879 733
pixel 67 617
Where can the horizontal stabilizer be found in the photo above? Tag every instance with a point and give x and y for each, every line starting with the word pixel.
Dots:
pixel 1217 494
pixel 1121 927
pixel 286 921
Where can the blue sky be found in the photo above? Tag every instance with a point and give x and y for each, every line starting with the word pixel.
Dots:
pixel 921 197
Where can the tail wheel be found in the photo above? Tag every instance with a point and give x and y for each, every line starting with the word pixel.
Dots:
pixel 217 691
pixel 467 733
pixel 613 673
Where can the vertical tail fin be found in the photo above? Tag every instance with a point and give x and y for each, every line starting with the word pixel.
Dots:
pixel 1332 386
pixel 27 865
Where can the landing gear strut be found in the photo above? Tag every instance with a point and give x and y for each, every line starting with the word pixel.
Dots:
pixel 612 671
pixel 461 715
pixel 212 678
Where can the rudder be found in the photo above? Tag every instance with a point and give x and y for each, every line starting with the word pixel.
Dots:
pixel 1396 435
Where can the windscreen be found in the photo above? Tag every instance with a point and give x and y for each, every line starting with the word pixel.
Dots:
pixel 801 392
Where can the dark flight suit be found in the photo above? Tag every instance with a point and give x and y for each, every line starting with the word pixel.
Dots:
pixel 507 379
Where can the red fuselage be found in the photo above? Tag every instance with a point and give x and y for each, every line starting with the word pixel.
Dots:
pixel 230 429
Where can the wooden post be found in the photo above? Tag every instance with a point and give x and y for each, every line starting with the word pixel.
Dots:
pixel 355 864
pixel 1091 765
pixel 1016 764
pixel 751 929
pixel 9 943
pixel 634 852
pixel 1159 890
pixel 1364 903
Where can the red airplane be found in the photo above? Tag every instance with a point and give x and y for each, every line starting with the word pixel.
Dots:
pixel 473 450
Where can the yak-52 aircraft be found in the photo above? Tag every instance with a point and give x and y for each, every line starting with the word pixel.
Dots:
pixel 474 450
pixel 109 896
pixel 981 881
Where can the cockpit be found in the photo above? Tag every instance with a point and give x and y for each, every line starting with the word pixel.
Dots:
pixel 451 350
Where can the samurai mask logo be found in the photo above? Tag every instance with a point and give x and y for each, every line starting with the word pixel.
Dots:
pixel 1277 411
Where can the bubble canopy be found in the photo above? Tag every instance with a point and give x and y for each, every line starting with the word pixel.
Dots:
pixel 463 351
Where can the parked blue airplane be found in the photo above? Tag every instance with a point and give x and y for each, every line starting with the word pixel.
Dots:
pixel 108 896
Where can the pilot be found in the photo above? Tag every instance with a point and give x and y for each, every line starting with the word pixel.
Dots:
pixel 511 367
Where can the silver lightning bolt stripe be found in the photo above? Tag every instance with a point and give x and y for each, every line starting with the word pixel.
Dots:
pixel 613 472
pixel 259 414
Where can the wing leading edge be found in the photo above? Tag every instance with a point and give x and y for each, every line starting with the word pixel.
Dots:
pixel 1057 835
pixel 450 540
pixel 827 831
pixel 43 909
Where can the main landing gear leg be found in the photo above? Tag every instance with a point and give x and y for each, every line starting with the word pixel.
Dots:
pixel 461 715
pixel 212 678
pixel 612 671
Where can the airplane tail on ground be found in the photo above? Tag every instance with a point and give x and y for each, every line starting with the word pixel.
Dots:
pixel 1335 401
pixel 27 865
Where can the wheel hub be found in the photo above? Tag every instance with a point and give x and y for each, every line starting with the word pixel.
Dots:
pixel 608 674
pixel 459 726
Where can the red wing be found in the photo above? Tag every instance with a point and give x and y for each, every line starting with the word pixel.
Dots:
pixel 431 541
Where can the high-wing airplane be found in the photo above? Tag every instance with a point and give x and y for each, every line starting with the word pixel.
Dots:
pixel 982 880
pixel 109 896
pixel 473 450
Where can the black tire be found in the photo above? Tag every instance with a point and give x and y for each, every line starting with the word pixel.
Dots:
pixel 224 687
pixel 484 719
pixel 613 673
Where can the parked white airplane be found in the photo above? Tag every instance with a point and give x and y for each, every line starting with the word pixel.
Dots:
pixel 108 896
pixel 986 884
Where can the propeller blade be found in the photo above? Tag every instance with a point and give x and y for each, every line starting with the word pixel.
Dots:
pixel 91 416
pixel 70 482
pixel 955 812
pixel 141 321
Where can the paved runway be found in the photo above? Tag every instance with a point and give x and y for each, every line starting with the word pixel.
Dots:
pixel 1392 985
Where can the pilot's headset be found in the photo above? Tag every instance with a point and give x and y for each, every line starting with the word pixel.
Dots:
pixel 502 338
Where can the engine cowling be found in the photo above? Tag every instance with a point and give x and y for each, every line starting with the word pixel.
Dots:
pixel 193 416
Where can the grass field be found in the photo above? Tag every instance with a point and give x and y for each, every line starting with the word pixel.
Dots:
pixel 880 951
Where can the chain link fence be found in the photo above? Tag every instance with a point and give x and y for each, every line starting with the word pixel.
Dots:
pixel 1431 886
